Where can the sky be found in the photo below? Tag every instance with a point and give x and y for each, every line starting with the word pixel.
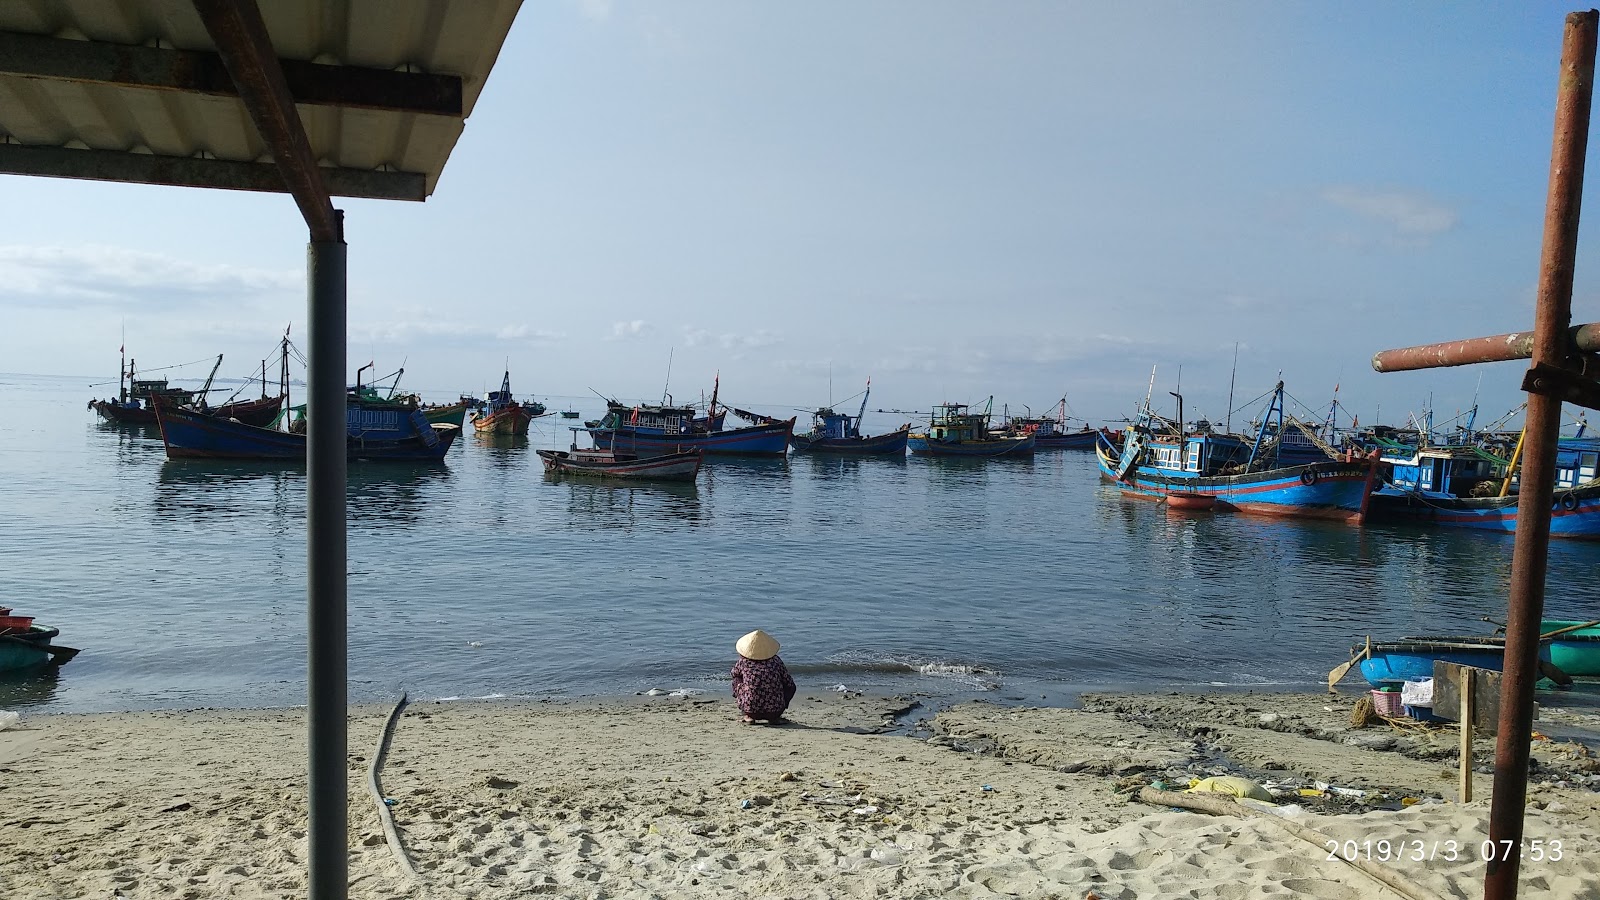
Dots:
pixel 1025 200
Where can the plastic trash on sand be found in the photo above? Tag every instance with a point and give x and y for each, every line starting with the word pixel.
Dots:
pixel 8 719
pixel 1231 785
pixel 1417 693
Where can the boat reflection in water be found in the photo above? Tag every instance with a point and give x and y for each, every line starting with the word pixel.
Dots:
pixel 33 687
pixel 602 504
pixel 219 491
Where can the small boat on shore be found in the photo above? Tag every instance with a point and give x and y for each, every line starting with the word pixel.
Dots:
pixel 24 645
pixel 1390 663
pixel 603 463
pixel 836 432
pixel 955 432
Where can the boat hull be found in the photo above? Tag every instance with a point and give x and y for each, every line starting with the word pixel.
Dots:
pixel 891 444
pixel 1576 652
pixel 190 435
pixel 668 467
pixel 1071 440
pixel 1396 662
pixel 922 445
pixel 1326 490
pixel 124 415
pixel 454 414
pixel 513 419
pixel 757 440
pixel 30 651
pixel 1575 514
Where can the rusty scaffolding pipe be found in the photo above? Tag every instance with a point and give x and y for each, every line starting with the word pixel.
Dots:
pixel 1530 556
pixel 1582 340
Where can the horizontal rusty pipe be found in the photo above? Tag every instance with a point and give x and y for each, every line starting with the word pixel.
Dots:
pixel 1581 339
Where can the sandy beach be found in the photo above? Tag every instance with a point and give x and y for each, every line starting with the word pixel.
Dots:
pixel 670 796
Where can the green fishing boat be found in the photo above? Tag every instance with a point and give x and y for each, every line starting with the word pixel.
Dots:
pixel 24 645
pixel 452 414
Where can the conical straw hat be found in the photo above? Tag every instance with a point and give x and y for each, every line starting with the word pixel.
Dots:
pixel 757 645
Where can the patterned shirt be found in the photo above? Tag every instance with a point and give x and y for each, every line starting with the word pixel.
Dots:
pixel 763 687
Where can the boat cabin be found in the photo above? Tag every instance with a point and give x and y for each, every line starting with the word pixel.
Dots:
pixel 1199 455
pixel 951 423
pixel 1443 470
pixel 648 419
pixel 831 425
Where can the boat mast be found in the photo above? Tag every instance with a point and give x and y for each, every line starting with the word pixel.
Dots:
pixel 283 377
pixel 1227 427
pixel 122 373
pixel 205 390
pixel 863 411
pixel 1277 403
pixel 666 398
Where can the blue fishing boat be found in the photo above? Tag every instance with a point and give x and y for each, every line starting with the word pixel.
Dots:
pixel 24 645
pixel 1159 458
pixel 837 432
pixel 1466 487
pixel 651 430
pixel 953 431
pixel 377 430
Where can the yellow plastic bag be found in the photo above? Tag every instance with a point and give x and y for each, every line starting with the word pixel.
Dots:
pixel 1231 785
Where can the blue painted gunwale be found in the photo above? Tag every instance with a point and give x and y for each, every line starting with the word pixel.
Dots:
pixel 1575 514
pixel 1336 490
pixel 190 435
pixel 1396 662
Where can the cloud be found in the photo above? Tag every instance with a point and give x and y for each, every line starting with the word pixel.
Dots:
pixel 1409 213
pixel 99 276
pixel 621 331
pixel 736 344
pixel 445 331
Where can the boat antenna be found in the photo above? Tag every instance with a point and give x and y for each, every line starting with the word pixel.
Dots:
pixel 1151 388
pixel 1227 427
pixel 668 383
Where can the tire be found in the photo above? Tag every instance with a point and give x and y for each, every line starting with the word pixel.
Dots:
pixel 1308 477
pixel 1569 502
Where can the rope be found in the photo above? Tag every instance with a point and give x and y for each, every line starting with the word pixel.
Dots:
pixel 391 834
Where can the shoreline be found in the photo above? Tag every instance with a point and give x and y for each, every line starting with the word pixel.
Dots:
pixel 659 796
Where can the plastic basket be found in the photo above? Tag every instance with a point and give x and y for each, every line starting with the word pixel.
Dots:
pixel 1388 704
pixel 1423 714
pixel 16 623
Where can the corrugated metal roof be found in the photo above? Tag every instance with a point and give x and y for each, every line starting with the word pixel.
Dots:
pixel 446 37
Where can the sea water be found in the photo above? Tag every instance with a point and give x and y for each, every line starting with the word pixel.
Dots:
pixel 183 581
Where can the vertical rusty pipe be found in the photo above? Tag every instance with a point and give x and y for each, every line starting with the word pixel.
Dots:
pixel 1530 558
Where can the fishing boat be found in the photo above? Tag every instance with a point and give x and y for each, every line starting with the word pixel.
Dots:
pixel 1052 432
pixel 1158 458
pixel 836 432
pixel 448 413
pixel 135 400
pixel 25 645
pixel 502 414
pixel 1467 487
pixel 598 463
pixel 651 430
pixel 569 414
pixel 378 429
pixel 953 431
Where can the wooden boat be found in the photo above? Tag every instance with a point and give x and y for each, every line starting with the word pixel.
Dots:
pixel 136 397
pixel 569 414
pixel 836 432
pixel 1188 501
pixel 24 645
pixel 955 432
pixel 648 430
pixel 448 414
pixel 378 430
pixel 1576 652
pixel 502 414
pixel 1445 486
pixel 1051 433
pixel 1156 460
pixel 1389 663
pixel 598 463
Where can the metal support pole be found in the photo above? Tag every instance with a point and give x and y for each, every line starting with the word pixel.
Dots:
pixel 1530 557
pixel 327 690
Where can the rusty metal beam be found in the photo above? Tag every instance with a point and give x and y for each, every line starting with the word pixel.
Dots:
pixel 194 72
pixel 239 32
pixel 1530 558
pixel 189 171
pixel 1581 341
